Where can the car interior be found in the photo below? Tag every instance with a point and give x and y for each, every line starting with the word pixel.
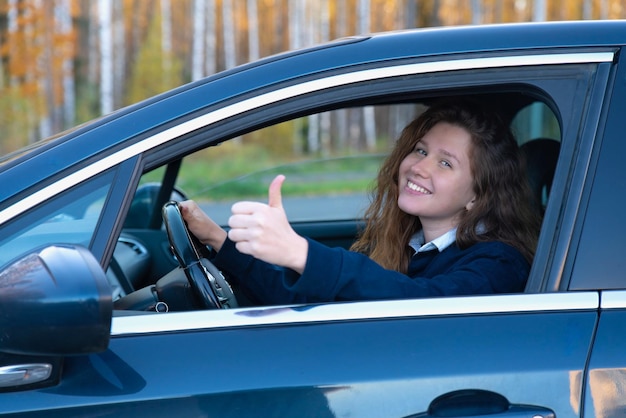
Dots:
pixel 143 257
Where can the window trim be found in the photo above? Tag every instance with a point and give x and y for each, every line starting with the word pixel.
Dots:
pixel 129 324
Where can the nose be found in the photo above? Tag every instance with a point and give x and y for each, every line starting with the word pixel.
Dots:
pixel 422 167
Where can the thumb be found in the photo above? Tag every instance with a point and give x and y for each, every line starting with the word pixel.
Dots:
pixel 275 198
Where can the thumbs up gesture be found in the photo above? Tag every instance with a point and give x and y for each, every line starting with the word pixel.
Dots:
pixel 263 231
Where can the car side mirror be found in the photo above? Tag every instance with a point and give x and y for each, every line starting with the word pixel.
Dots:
pixel 55 302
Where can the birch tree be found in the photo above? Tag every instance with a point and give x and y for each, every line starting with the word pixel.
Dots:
pixel 210 38
pixel 311 25
pixel 64 20
pixel 539 10
pixel 296 28
pixel 166 41
pixel 369 118
pixel 325 117
pixel 341 132
pixel 118 56
pixel 197 51
pixel 46 80
pixel 253 30
pixel 106 56
pixel 477 12
pixel 604 9
pixel 230 49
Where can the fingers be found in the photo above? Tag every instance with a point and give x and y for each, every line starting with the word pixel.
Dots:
pixel 188 208
pixel 255 226
pixel 275 198
pixel 203 227
pixel 241 210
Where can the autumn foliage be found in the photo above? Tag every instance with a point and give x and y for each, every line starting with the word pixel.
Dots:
pixel 67 61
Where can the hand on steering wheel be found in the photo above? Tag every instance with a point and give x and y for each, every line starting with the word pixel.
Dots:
pixel 205 279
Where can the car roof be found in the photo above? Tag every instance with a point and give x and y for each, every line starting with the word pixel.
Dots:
pixel 115 129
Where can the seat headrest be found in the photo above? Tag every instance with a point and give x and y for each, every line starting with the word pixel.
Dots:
pixel 541 156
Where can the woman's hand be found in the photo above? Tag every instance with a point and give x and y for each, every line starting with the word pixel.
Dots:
pixel 263 231
pixel 203 227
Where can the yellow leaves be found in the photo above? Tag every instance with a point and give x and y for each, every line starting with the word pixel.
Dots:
pixel 45 42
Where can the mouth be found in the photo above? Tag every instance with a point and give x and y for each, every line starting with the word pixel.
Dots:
pixel 417 188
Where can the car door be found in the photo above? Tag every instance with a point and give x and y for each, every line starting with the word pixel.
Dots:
pixel 395 358
pixel 362 359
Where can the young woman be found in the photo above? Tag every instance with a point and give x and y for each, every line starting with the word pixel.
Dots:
pixel 451 214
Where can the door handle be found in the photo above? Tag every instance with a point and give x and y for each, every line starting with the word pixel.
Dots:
pixel 474 403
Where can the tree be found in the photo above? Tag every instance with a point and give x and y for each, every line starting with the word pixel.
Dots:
pixel 253 30
pixel 106 55
pixel 230 46
pixel 197 56
pixel 68 61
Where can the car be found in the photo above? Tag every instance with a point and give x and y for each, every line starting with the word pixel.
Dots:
pixel 98 318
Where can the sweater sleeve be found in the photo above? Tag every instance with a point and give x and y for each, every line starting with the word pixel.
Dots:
pixel 336 274
pixel 260 281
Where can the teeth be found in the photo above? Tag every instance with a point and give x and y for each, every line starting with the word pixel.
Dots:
pixel 417 188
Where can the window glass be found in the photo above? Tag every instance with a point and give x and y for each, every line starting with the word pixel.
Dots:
pixel 535 121
pixel 69 218
pixel 330 160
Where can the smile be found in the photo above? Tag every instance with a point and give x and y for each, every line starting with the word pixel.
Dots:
pixel 417 188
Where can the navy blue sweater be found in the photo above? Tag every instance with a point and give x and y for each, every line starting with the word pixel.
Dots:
pixel 336 274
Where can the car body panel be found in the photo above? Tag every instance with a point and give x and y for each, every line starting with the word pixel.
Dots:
pixel 212 354
pixel 605 395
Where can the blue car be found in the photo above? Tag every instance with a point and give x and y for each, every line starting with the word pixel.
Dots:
pixel 105 313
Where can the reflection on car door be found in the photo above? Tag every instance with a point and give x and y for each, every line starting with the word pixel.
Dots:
pixel 366 359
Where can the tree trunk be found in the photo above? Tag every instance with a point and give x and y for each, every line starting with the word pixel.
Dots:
pixel 197 55
pixel 539 11
pixel 106 56
pixel 477 12
pixel 210 38
pixel 69 88
pixel 369 118
pixel 166 41
pixel 296 25
pixel 118 57
pixel 253 30
pixel 230 47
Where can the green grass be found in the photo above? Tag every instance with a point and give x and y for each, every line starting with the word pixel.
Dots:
pixel 248 176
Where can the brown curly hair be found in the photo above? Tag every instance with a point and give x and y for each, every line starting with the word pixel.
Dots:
pixel 502 211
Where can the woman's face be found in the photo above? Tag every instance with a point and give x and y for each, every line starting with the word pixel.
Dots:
pixel 435 179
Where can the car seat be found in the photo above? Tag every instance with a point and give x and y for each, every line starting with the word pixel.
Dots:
pixel 541 156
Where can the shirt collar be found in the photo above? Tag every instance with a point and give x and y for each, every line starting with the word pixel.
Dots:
pixel 440 243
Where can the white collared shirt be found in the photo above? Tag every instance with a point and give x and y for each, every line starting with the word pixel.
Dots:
pixel 440 243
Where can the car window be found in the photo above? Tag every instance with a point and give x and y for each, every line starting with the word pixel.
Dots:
pixel 69 218
pixel 329 171
pixel 535 121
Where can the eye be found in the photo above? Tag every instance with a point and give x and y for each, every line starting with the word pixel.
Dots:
pixel 446 164
pixel 420 151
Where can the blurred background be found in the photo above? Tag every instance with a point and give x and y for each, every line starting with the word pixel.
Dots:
pixel 65 62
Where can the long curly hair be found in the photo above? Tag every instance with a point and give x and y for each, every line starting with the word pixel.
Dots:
pixel 503 209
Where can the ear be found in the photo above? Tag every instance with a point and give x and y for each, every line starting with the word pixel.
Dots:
pixel 470 204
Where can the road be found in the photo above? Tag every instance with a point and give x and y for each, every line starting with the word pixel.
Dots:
pixel 302 208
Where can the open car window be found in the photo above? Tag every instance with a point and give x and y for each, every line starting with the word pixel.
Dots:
pixel 329 176
pixel 329 169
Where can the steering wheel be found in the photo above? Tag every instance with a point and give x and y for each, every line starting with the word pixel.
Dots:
pixel 205 279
